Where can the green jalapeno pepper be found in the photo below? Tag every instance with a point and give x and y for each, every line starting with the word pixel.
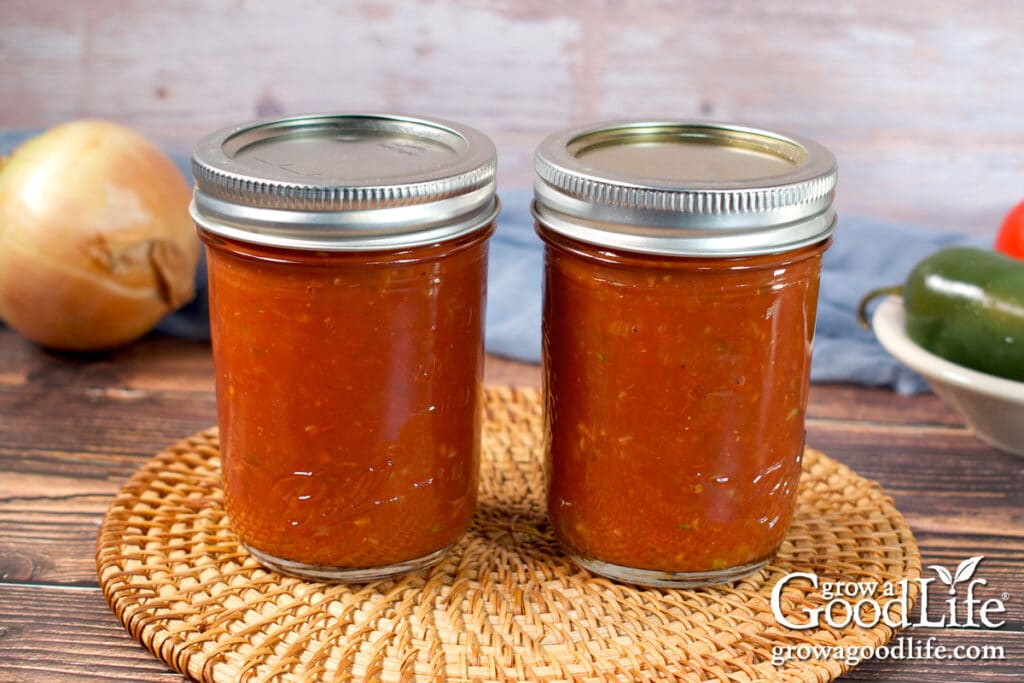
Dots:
pixel 967 306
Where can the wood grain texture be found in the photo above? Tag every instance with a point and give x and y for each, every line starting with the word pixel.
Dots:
pixel 65 635
pixel 73 428
pixel 919 101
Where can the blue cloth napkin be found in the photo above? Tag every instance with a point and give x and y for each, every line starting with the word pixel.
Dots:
pixel 866 253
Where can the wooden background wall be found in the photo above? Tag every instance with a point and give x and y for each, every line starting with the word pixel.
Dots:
pixel 922 101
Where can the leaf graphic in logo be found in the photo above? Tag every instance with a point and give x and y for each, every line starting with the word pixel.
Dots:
pixel 967 568
pixel 964 572
pixel 944 575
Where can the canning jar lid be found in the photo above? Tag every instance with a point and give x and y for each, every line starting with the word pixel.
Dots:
pixel 687 188
pixel 340 182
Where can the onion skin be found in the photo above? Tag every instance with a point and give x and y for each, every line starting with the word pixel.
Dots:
pixel 96 242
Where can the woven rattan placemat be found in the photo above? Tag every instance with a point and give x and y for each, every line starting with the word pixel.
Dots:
pixel 504 605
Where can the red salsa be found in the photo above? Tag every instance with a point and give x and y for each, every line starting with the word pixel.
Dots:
pixel 682 265
pixel 348 393
pixel 347 263
pixel 677 389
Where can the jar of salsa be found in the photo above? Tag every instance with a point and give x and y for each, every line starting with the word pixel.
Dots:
pixel 347 259
pixel 681 281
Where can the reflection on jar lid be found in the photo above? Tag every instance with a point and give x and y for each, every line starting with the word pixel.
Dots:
pixel 685 188
pixel 344 182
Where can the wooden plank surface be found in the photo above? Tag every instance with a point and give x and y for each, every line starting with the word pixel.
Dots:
pixel 73 429
pixel 917 99
pixel 920 100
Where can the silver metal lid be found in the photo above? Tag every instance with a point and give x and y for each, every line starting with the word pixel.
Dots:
pixel 341 182
pixel 689 188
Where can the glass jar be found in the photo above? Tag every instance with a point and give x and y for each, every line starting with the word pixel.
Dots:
pixel 682 263
pixel 347 259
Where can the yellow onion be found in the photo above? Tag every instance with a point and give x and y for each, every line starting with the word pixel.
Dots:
pixel 96 243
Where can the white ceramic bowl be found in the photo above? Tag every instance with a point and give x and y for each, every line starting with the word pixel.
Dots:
pixel 992 406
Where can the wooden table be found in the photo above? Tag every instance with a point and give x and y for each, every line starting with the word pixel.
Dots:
pixel 72 429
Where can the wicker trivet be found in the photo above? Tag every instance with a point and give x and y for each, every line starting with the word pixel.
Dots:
pixel 504 605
